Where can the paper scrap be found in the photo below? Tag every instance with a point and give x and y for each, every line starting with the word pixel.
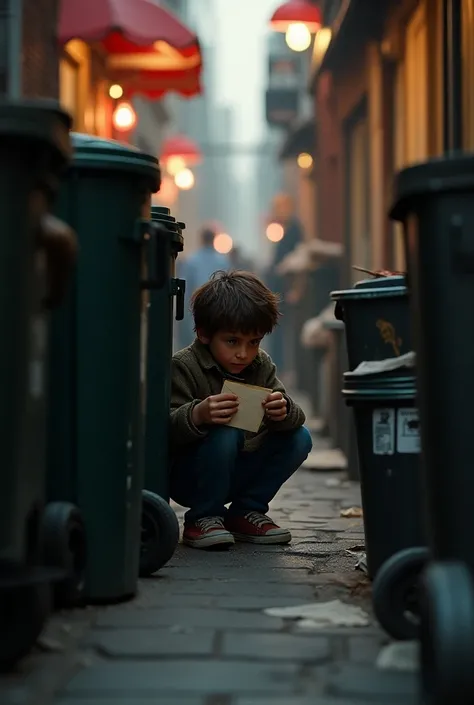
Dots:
pixel 377 366
pixel 319 615
pixel 351 513
pixel 399 656
pixel 250 412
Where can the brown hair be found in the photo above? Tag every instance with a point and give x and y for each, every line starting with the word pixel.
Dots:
pixel 236 302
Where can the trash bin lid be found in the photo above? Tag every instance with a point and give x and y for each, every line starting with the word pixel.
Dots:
pixel 439 175
pixel 98 153
pixel 377 288
pixel 161 214
pixel 41 120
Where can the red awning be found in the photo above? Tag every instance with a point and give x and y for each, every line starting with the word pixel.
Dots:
pixel 150 51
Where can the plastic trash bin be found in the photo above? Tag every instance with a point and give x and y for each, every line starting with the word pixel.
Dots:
pixel 388 442
pixel 435 203
pixel 376 315
pixel 96 421
pixel 160 529
pixel 34 150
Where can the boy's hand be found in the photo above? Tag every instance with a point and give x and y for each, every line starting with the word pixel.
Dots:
pixel 276 406
pixel 218 409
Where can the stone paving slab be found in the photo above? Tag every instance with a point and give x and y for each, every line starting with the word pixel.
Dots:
pixel 153 643
pixel 188 617
pixel 150 678
pixel 279 647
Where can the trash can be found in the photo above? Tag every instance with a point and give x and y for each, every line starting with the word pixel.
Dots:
pixel 160 529
pixel 388 442
pixel 34 151
pixel 434 201
pixel 376 315
pixel 97 411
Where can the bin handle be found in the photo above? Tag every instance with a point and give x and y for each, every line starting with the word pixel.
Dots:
pixel 158 260
pixel 179 289
pixel 60 244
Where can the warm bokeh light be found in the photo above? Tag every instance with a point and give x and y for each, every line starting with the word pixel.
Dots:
pixel 298 36
pixel 184 179
pixel 223 243
pixel 275 232
pixel 167 194
pixel 305 160
pixel 321 42
pixel 174 165
pixel 124 117
pixel 115 91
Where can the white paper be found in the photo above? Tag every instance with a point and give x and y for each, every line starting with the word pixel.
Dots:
pixel 320 615
pixel 383 431
pixel 250 413
pixel 377 366
pixel 408 431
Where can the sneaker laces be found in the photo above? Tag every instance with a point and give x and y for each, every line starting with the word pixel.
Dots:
pixel 258 519
pixel 207 523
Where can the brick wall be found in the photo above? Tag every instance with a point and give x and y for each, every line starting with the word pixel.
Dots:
pixel 40 48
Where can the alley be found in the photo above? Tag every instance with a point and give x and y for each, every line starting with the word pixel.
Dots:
pixel 197 633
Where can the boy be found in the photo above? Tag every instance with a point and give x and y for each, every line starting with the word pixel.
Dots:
pixel 213 465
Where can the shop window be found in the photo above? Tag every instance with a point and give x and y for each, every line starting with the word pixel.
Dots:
pixel 468 72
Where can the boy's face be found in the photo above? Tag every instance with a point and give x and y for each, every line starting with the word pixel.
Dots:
pixel 233 351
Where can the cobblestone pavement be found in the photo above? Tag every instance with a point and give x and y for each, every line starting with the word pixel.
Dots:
pixel 197 634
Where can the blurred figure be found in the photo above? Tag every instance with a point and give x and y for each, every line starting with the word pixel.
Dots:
pixel 239 261
pixel 197 270
pixel 283 212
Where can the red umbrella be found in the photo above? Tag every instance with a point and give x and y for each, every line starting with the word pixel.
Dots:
pixel 149 49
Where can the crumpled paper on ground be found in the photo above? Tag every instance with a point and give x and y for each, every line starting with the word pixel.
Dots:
pixel 320 615
pixel 352 513
pixel 378 366
pixel 399 656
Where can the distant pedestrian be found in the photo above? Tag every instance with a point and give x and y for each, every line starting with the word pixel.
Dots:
pixel 239 260
pixel 197 269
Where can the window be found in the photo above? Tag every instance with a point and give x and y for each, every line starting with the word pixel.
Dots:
pixel 468 72
pixel 416 88
pixel 358 236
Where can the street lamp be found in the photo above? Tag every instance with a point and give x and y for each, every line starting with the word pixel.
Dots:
pixel 184 179
pixel 298 19
pixel 223 243
pixel 124 117
pixel 274 232
pixel 304 160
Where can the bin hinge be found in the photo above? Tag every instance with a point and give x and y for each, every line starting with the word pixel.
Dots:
pixel 178 289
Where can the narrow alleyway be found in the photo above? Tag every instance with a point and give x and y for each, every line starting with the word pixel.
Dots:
pixel 197 634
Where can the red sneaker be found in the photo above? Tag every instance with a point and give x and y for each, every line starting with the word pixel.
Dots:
pixel 256 528
pixel 206 533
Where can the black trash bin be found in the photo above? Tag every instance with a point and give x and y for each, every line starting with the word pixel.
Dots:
pixel 376 314
pixel 160 529
pixel 388 441
pixel 435 203
pixel 34 150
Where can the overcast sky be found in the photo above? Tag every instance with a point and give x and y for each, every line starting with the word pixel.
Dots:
pixel 239 36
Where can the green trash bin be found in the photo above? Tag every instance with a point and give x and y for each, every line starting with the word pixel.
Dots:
pixel 34 150
pixel 96 423
pixel 160 529
pixel 388 441
pixel 376 315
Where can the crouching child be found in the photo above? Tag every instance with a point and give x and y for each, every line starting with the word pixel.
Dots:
pixel 213 465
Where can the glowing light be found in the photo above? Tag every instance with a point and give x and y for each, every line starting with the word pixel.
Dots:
pixel 184 179
pixel 223 243
pixel 174 165
pixel 298 36
pixel 275 232
pixel 305 160
pixel 115 91
pixel 167 194
pixel 124 117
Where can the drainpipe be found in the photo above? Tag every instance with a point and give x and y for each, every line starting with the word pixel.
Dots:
pixel 452 69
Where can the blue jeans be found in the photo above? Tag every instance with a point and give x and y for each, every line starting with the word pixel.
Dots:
pixel 216 471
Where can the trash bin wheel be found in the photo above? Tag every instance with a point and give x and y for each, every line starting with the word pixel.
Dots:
pixel 395 593
pixel 23 613
pixel 447 634
pixel 64 547
pixel 160 533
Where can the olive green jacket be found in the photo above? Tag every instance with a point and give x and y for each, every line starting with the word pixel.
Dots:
pixel 195 375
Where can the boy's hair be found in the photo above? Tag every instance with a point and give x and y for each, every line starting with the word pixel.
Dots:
pixel 235 301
